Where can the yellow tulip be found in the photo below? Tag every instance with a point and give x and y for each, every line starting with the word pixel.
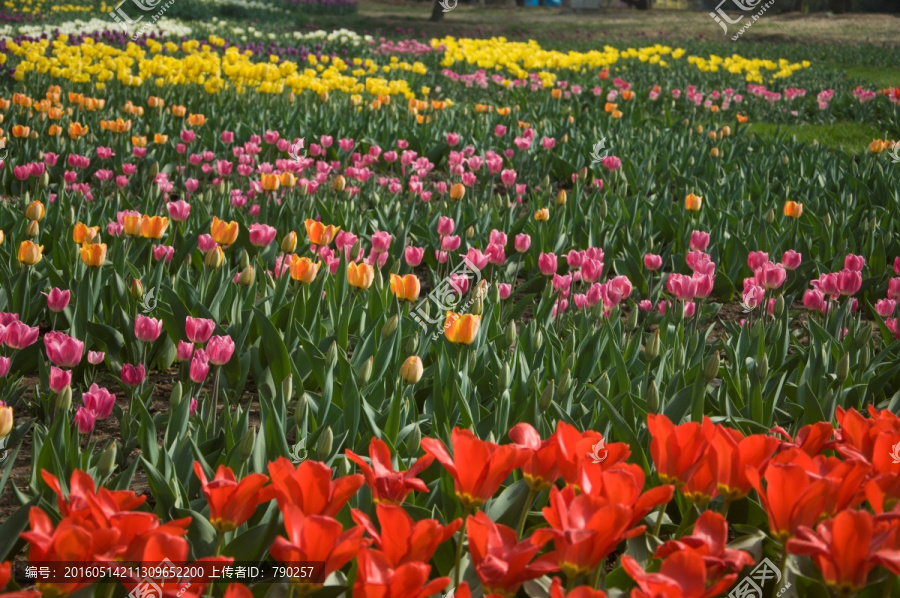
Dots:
pixel 93 254
pixel 6 420
pixel 411 370
pixel 360 275
pixel 405 288
pixel 693 203
pixel 30 253
pixel 303 269
pixel 461 329
pixel 154 227
pixel 222 232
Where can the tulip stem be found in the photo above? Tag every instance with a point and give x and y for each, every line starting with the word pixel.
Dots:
pixel 659 520
pixel 725 506
pixel 598 577
pixel 220 535
pixel 521 525
pixel 462 536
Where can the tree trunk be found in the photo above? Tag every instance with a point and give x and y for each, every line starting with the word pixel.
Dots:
pixel 437 12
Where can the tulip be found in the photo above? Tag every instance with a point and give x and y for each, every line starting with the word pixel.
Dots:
pixel 684 288
pixel 814 300
pixel 792 209
pixel 360 275
pixel 154 227
pixel 19 335
pixel 461 329
pixel 542 215
pixel 147 329
pixel 732 454
pixel 381 241
pixel 504 289
pixel 770 276
pixel 231 503
pixel 99 401
pixel 96 357
pixel 849 281
pixel 261 234
pixel 84 234
pixel 184 351
pixel 445 226
pixel 85 420
pixel 179 211
pixel 63 350
pixel 413 255
pixel 411 370
pixel 57 300
pixel 131 222
pixel 405 288
pixel 523 243
pixel 133 375
pixel 547 264
pixel 753 296
pixel 457 191
pixel 30 253
pixel 303 269
pixel 791 259
pixel 220 349
pixel 652 262
pixel 222 232
pixel 59 379
pixel 214 258
pixel 693 203
pixel 699 241
pixel 318 233
pixel 6 419
pixel 93 255
pixel 755 259
pixel 854 262
pixel 289 242
pixel 885 307
pixel 199 367
pixel 35 211
pixel 793 497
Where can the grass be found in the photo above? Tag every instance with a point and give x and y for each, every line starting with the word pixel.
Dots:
pixel 882 77
pixel 847 136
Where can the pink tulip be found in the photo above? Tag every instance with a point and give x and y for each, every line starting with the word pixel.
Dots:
pixel 828 284
pixel 854 262
pixel 193 408
pixel 495 254
pixel 133 375
pixel 19 335
pixel 770 276
pixel 505 290
pixel 460 283
pixel 814 300
pixel 646 305
pixel 574 258
pixel 500 130
pixel 381 241
pixel 547 264
pixel 262 234
pixel 220 349
pixel 184 352
pixel 611 163
pixel 179 211
pixel 497 238
pixel 445 226
pixel 753 296
pixel 198 330
pixel 697 259
pixel 548 142
pixel 99 400
pixel 163 252
pixel 452 139
pixel 59 379
pixel 326 140
pixel 450 243
pixel 96 357
pixel 206 243
pixel 591 270
pixel 57 299
pixel 897 265
pixel 523 243
pixel 704 285
pixel 682 287
pixel 227 137
pixel 199 367
pixel 5 363
pixel 849 281
pixel 562 284
pixel 441 256
pixel 147 329
pixel 508 177
pixel 791 259
pixel 885 307
pixel 699 241
pixel 652 262
pixel 757 259
pixel 618 289
pixel 63 350
pixel 476 258
pixel 85 420
pixel 690 308
pixel 413 255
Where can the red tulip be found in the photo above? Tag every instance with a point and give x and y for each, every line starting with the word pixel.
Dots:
pixel 477 467
pixel 556 591
pixel 541 469
pixel 387 485
pixel 792 497
pixel 811 439
pixel 731 454
pixel 68 542
pixel 678 451
pixel 315 538
pixel 237 590
pixel 623 484
pixel 403 540
pixel 377 577
pixel 709 539
pixel 576 450
pixel 846 549
pixel 309 487
pixel 231 503
pixel 501 562
pixel 682 575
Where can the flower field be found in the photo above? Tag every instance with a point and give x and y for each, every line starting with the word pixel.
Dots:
pixel 289 311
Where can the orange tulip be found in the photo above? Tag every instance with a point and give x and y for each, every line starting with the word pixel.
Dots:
pixel 405 288
pixel 155 102
pixel 35 211
pixel 457 191
pixel 793 209
pixel 288 179
pixel 159 139
pixel 678 451
pixel 196 120
pixel 542 215
pixel 627 95
pixel 556 93
pixel 360 275
pixel 21 131
pixel 83 233
pixel 75 98
pixel 132 224
pixel 741 118
pixel 289 243
pixel 877 146
pixel 318 233
pixel 340 183
pixel 461 329
pixel 138 141
pixel 303 269
pixel 693 203
pixel 504 111
pixel 154 227
pixel 30 253
pixel 77 130
pixel 270 181
pixel 93 254
pixel 55 113
pixel 54 130
pixel 222 232
pixel 179 111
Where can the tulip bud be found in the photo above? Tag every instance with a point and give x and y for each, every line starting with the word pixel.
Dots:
pixel 546 396
pixel 64 399
pixel 864 356
pixel 411 370
pixel 712 135
pixel 332 356
pixel 154 170
pixel 537 341
pixel 340 183
pixel 389 327
pixel 511 333
pixel 651 349
pixel 137 289
pixel 505 376
pixel 652 397
pixel 726 131
pixel 247 276
pixel 785 160
pixel 245 448
pixel 714 152
pixel 214 258
pixel 33 229
pixel 364 373
pixel 470 232
pixel 287 388
pixel 863 336
pixel 565 138
pixel 686 122
pixel 175 397
pixel 221 190
pixel 762 368
pixel 414 440
pixel 603 209
pixel 378 280
pixel 245 259
pixel 603 385
pixel 632 321
pixel 2 237
pixel 300 409
pixel 843 368
pixel 561 198
pixel 570 362
pixel 323 445
pixel 45 180
pixel 778 308
pixel 477 306
pixel 457 191
pixel 564 384
pixel 108 461
pixel 289 242
pixel 699 129
pixel 770 216
pixel 546 182
pixel 270 281
pixel 712 367
pixel 826 220
pixel 745 385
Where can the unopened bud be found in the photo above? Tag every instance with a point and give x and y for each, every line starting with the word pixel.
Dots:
pixel 785 160
pixel 340 183
pixel 762 368
pixel 714 152
pixel 245 449
pixel 652 397
pixel 154 170
pixel 412 343
pixel 537 340
pixel 137 289
pixel 470 232
pixel 864 356
pixel 364 373
pixel 414 440
pixel 64 399
pixel 712 368
pixel 511 333
pixel 603 209
pixel 477 306
pixel 214 258
pixel 108 461
pixel 33 229
pixel 389 327
pixel 411 370
pixel 300 409
pixel 651 349
pixel 175 397
pixel 505 376
pixel 323 445
pixel 561 198
pixel 247 276
pixel 289 243
pixel 245 259
pixel 546 396
pixel 332 356
pixel 826 220
pixel 603 385
pixel 778 308
pixel 632 321
pixel 564 384
pixel 843 368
